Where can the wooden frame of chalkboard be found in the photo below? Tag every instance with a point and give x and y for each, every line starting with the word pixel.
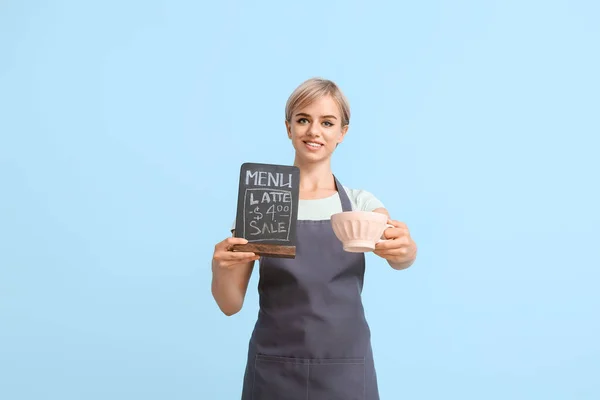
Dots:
pixel 267 209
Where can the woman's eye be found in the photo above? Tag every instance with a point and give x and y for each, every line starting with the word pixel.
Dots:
pixel 328 124
pixel 302 120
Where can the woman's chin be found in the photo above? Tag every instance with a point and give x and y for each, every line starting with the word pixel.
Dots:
pixel 311 158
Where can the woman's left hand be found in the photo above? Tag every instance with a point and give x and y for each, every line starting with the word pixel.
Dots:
pixel 399 249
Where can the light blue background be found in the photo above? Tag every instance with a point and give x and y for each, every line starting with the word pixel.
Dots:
pixel 123 126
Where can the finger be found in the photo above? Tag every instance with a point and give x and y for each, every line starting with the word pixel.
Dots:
pixel 392 253
pixel 396 224
pixel 231 264
pixel 393 233
pixel 403 235
pixel 235 240
pixel 384 253
pixel 228 243
pixel 225 255
pixel 237 255
pixel 392 243
pixel 387 246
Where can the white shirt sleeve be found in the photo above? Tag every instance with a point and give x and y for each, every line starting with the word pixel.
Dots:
pixel 363 200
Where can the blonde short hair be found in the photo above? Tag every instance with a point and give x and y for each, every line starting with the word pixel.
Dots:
pixel 312 89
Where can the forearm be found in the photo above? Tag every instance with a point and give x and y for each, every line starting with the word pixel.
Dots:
pixel 226 289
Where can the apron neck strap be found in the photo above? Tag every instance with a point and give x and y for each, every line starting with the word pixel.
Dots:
pixel 345 200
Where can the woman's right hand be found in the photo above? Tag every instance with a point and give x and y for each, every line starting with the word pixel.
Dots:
pixel 225 257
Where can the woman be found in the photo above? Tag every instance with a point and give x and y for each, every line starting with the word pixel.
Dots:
pixel 311 339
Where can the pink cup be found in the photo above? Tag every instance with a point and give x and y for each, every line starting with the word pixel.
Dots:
pixel 359 231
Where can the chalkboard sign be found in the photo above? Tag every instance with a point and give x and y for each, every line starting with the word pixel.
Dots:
pixel 267 209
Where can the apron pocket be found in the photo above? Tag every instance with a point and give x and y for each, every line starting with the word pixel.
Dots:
pixel 337 379
pixel 279 378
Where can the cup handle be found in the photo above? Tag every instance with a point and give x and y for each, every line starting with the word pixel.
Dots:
pixel 383 239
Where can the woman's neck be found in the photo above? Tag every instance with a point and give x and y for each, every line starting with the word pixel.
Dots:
pixel 316 180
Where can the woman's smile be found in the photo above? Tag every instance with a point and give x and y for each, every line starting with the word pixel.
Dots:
pixel 312 145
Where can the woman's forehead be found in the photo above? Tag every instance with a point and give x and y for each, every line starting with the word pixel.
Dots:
pixel 324 105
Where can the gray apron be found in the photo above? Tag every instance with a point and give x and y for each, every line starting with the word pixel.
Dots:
pixel 311 340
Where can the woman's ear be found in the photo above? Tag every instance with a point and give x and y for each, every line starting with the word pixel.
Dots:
pixel 288 128
pixel 343 135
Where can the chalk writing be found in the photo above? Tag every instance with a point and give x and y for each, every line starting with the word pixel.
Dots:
pixel 267 178
pixel 263 213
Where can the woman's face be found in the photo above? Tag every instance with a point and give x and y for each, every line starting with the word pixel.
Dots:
pixel 315 130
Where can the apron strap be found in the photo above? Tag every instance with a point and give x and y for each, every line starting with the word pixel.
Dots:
pixel 346 204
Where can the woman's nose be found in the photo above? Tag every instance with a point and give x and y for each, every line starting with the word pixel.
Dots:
pixel 314 130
